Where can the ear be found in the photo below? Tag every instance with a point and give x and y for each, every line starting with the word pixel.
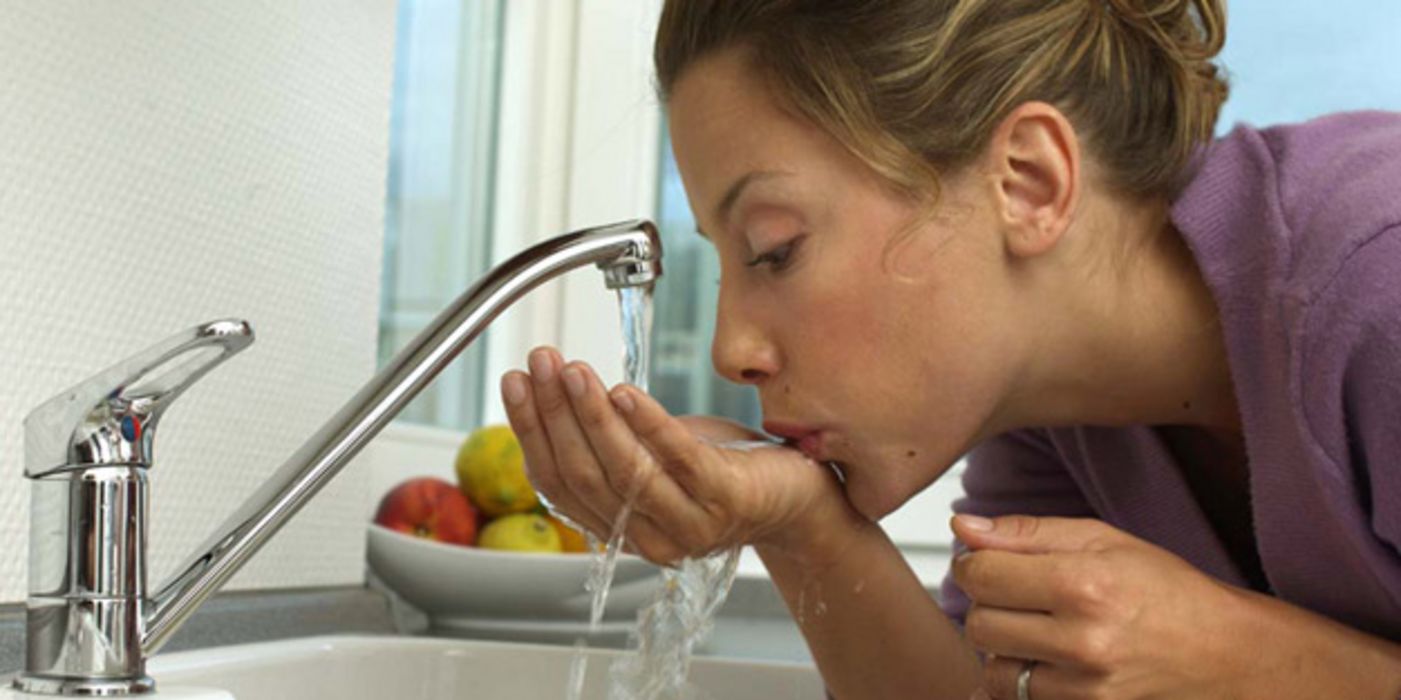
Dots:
pixel 1035 162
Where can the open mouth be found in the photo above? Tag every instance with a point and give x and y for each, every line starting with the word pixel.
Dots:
pixel 811 442
pixel 838 467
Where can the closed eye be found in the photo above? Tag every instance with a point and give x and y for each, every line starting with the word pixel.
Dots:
pixel 778 258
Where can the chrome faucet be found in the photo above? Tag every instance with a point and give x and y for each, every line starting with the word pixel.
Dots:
pixel 90 622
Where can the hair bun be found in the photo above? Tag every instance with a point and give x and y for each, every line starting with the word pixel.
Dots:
pixel 1188 30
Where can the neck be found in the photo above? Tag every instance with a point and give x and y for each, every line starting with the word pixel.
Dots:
pixel 1136 340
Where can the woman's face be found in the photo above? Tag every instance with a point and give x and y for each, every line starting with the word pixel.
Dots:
pixel 879 346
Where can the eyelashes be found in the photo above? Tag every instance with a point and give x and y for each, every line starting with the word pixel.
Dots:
pixel 779 258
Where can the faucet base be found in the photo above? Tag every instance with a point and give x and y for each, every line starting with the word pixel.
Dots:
pixel 84 687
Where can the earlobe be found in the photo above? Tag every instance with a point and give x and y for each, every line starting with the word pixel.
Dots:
pixel 1037 162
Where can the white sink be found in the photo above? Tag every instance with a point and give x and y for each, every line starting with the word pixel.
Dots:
pixel 414 668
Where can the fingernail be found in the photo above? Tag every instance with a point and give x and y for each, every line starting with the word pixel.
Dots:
pixel 974 523
pixel 573 381
pixel 513 389
pixel 541 367
pixel 623 401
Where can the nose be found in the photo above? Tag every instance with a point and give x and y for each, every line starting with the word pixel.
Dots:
pixel 742 350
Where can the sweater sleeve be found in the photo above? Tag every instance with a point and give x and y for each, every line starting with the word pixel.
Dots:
pixel 1355 327
pixel 1016 473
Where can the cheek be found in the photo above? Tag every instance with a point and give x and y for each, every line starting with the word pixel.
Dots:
pixel 935 370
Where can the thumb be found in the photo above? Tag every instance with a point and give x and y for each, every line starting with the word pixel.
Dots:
pixel 1030 534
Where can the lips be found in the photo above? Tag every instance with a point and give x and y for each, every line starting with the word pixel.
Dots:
pixel 806 439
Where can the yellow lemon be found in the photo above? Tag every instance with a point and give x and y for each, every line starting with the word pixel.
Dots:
pixel 520 532
pixel 491 471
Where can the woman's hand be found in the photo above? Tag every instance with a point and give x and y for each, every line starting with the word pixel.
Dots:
pixel 1107 615
pixel 589 451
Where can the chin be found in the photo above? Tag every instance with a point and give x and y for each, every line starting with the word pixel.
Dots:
pixel 876 493
pixel 870 502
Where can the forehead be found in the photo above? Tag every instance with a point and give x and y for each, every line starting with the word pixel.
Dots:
pixel 718 107
pixel 725 123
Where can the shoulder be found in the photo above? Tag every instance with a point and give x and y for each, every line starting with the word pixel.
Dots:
pixel 1275 212
pixel 1338 179
pixel 1350 376
pixel 1349 363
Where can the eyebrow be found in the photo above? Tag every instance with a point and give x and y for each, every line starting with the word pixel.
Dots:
pixel 727 202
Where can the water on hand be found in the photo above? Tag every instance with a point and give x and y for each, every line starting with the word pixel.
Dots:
pixel 635 305
pixel 677 620
pixel 683 612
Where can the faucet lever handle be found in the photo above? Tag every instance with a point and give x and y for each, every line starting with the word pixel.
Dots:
pixel 110 418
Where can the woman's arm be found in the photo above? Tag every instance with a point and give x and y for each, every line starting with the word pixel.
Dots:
pixel 1318 656
pixel 872 628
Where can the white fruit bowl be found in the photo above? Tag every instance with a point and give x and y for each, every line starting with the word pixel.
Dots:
pixel 467 587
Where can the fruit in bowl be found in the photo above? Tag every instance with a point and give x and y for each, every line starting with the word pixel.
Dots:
pixel 525 564
pixel 505 512
pixel 430 508
pixel 490 469
pixel 570 540
pixel 521 532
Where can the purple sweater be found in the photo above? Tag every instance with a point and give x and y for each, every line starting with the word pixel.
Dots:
pixel 1297 230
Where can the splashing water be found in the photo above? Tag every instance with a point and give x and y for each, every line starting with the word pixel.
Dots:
pixel 635 305
pixel 669 629
pixel 683 612
pixel 677 620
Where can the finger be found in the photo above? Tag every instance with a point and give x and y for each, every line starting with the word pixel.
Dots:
pixel 1016 633
pixel 574 459
pixel 540 466
pixel 624 466
pixel 628 464
pixel 625 461
pixel 651 542
pixel 675 448
pixel 1029 534
pixel 1009 579
pixel 1000 678
pixel 1048 681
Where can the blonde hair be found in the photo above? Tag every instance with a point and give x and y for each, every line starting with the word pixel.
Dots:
pixel 916 87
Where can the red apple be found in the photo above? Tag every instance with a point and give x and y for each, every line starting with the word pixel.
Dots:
pixel 430 508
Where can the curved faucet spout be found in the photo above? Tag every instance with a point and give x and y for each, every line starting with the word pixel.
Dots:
pixel 629 254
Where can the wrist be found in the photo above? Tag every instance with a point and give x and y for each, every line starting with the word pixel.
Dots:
pixel 816 537
pixel 1315 656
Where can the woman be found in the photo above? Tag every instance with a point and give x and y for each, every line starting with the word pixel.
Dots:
pixel 1001 228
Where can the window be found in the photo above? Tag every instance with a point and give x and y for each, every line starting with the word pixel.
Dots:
pixel 438 213
pixel 683 377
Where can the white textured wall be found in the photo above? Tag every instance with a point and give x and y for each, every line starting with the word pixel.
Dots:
pixel 168 162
